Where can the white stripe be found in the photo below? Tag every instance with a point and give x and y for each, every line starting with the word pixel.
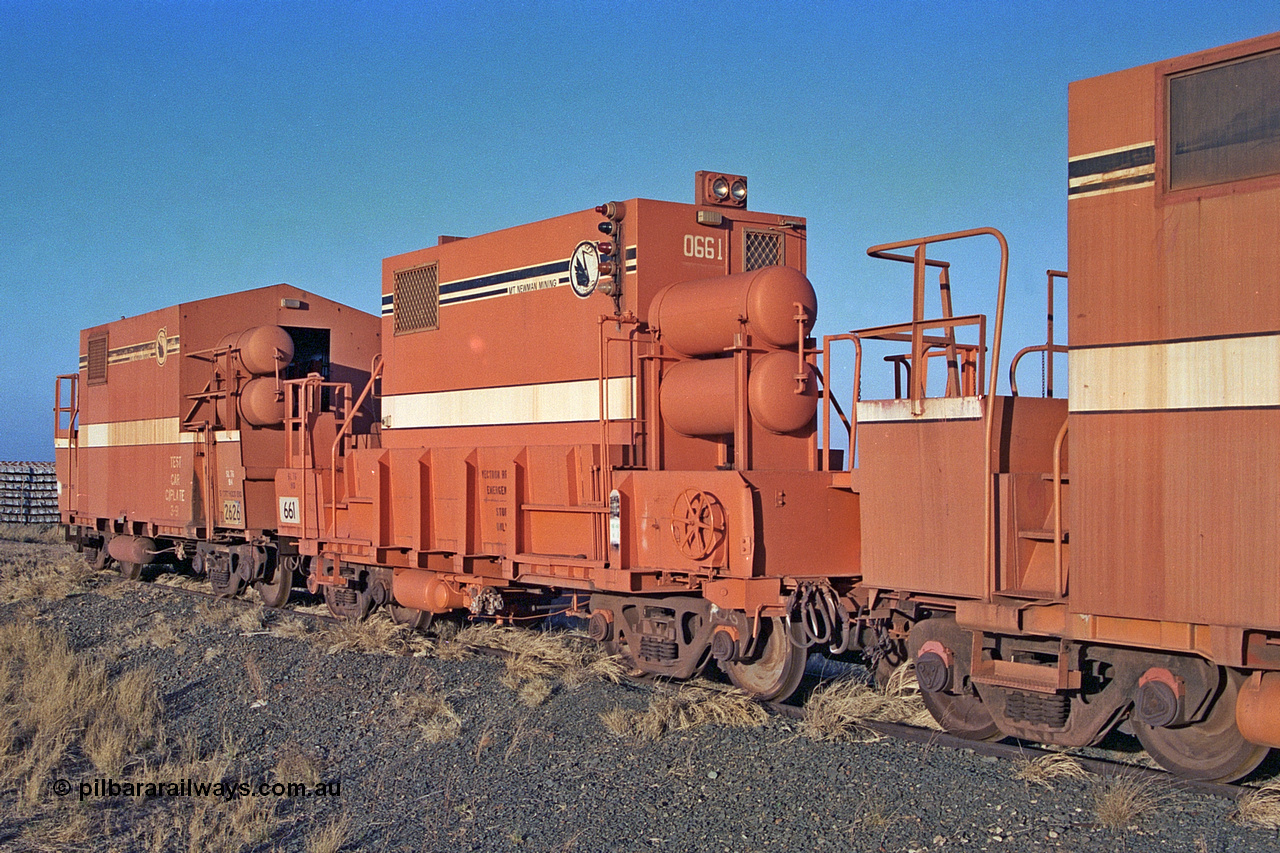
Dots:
pixel 1106 151
pixel 1229 373
pixel 144 432
pixel 1141 185
pixel 932 409
pixel 550 402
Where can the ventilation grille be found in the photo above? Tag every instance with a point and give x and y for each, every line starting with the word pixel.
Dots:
pixel 97 370
pixel 763 249
pixel 417 300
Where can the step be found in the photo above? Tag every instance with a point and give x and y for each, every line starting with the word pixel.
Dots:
pixel 1042 534
pixel 1025 676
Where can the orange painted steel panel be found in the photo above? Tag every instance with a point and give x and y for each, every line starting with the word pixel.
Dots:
pixel 804 526
pixel 1174 516
pixel 922 517
pixel 921 482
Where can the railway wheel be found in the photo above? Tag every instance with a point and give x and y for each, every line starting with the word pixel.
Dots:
pixel 410 617
pixel 348 603
pixel 278 582
pixel 129 571
pixel 962 715
pixel 1211 750
pixel 775 670
pixel 956 707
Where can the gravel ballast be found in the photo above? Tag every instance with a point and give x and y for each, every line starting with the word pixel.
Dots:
pixel 507 772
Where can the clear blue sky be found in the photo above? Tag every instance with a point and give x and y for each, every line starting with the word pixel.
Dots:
pixel 158 152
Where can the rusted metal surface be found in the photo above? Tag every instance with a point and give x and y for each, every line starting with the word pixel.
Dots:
pixel 1175 339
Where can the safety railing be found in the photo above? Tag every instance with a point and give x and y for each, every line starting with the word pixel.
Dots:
pixel 65 428
pixel 1049 348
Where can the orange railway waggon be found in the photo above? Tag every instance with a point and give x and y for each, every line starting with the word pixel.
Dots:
pixel 624 412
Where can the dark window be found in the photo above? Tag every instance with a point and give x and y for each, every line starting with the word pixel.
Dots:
pixel 97 370
pixel 310 353
pixel 1224 123
pixel 417 300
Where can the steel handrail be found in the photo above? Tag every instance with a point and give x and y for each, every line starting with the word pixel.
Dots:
pixel 851 422
pixel 1060 578
pixel 885 251
pixel 375 373
pixel 1013 365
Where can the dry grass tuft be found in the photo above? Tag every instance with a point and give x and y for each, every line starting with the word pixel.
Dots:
pixel 837 711
pixel 182 581
pixel 41 534
pixel 36 574
pixel 292 629
pixel 1045 769
pixel 330 837
pixel 535 691
pixel 431 713
pixel 216 612
pixel 1122 801
pixel 294 764
pixel 691 706
pixel 377 635
pixel 161 634
pixel 210 824
pixel 1260 807
pixel 251 620
pixel 55 701
pixel 620 721
pixel 536 658
pixel 65 828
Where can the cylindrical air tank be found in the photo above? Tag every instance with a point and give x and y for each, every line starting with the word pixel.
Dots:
pixel 697 397
pixel 701 317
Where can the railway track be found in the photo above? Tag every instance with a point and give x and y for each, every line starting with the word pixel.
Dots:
pixel 1007 749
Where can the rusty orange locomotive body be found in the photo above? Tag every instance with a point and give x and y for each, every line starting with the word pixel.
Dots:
pixel 624 411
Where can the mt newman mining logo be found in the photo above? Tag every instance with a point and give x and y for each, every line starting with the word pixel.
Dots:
pixel 226 790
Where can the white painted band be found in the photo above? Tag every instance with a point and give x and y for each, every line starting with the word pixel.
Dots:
pixel 931 409
pixel 1225 373
pixel 549 402
pixel 144 432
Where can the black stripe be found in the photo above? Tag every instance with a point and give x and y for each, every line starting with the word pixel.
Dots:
pixel 1103 163
pixel 1160 341
pixel 504 277
pixel 1165 411
pixel 1131 180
